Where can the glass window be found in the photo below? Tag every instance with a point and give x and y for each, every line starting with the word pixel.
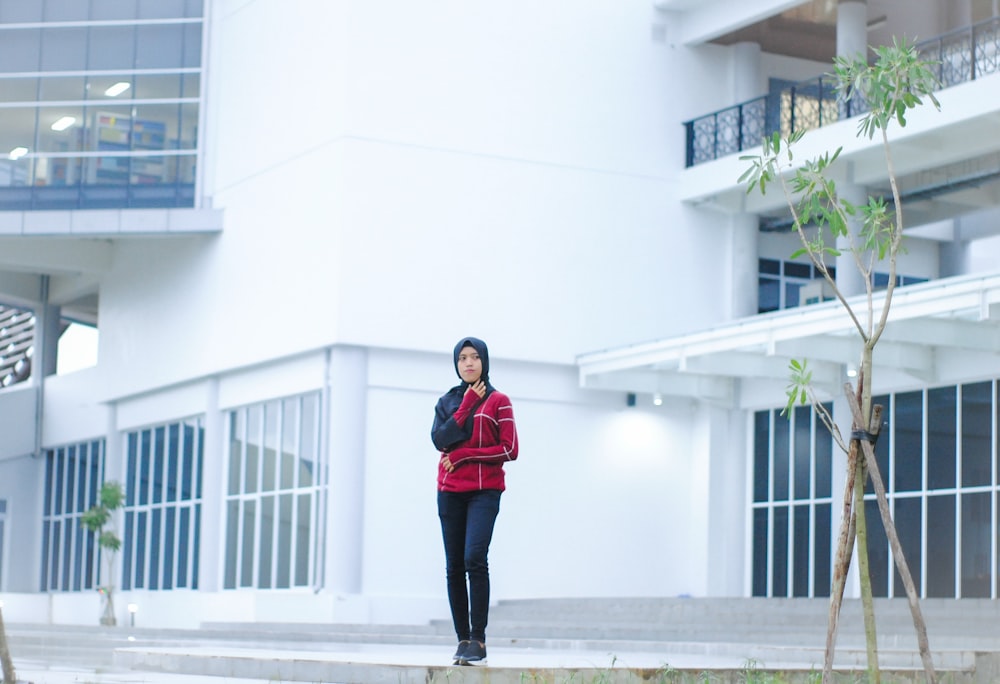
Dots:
pixel 64 48
pixel 823 450
pixel 760 555
pixel 780 458
pixel 110 48
pixel 791 546
pixel 907 517
pixel 823 549
pixel 779 552
pixel 160 546
pixel 941 431
pixel 801 550
pixel 761 451
pixel 941 537
pixel 270 535
pixel 976 549
pixel 65 10
pixel 159 46
pixel 18 90
pixel 70 554
pixel 801 453
pixel 161 9
pixel 112 9
pixel 907 434
pixel 976 432
pixel 878 549
pixel 3 537
pixel 192 45
pixel 190 85
pixel 127 180
pixel 109 87
pixel 881 444
pixel 21 50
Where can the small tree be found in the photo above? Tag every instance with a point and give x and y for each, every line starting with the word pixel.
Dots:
pixel 96 520
pixel 891 85
pixel 6 662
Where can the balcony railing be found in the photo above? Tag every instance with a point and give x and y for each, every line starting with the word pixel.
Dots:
pixel 958 56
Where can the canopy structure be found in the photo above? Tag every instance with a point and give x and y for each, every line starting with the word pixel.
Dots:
pixel 937 332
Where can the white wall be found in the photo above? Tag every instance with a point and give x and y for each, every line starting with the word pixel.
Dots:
pixel 598 498
pixel 22 482
pixel 399 181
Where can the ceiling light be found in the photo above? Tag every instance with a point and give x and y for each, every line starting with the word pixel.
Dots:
pixel 64 123
pixel 117 89
pixel 17 152
pixel 657 399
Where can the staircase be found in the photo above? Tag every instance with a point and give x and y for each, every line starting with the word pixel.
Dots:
pixel 554 640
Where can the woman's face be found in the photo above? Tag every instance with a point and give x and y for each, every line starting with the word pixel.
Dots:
pixel 470 366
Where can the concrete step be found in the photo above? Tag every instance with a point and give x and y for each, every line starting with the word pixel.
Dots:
pixel 372 666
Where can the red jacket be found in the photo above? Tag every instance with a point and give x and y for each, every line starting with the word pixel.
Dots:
pixel 479 460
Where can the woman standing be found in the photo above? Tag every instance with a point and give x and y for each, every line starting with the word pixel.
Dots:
pixel 474 432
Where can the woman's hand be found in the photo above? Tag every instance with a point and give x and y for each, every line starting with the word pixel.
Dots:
pixel 447 464
pixel 479 387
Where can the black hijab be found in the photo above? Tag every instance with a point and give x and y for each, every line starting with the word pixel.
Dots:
pixel 445 432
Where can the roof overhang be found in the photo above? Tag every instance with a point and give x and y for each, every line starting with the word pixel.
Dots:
pixel 937 332
pixel 962 131
pixel 700 21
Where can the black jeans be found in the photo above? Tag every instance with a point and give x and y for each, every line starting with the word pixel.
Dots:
pixel 467 526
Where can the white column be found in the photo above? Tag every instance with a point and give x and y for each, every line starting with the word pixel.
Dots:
pixel 115 471
pixel 347 390
pixel 747 80
pixel 958 14
pixel 852 28
pixel 849 279
pixel 729 557
pixel 953 256
pixel 743 265
pixel 212 543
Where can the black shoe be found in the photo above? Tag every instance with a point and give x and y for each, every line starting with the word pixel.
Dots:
pixel 475 653
pixel 460 651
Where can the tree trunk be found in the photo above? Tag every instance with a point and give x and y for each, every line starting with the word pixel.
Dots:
pixel 108 617
pixel 5 660
pixel 845 545
pixel 864 573
pixel 897 548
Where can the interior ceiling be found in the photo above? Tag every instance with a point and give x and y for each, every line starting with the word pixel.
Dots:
pixel 808 32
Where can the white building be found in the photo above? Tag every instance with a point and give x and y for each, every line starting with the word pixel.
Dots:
pixel 285 219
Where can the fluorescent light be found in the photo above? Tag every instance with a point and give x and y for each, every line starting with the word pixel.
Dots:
pixel 117 89
pixel 17 152
pixel 64 123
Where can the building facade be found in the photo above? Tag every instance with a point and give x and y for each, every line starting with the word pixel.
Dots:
pixel 278 217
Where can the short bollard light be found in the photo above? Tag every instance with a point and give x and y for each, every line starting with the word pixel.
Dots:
pixel 133 608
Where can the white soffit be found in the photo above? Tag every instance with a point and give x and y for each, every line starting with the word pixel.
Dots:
pixel 700 21
pixel 947 316
pixel 964 128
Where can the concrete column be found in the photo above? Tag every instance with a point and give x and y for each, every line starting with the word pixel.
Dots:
pixel 747 80
pixel 45 352
pixel 212 543
pixel 743 266
pixel 114 471
pixel 852 28
pixel 958 14
pixel 954 256
pixel 728 458
pixel 344 449
pixel 849 278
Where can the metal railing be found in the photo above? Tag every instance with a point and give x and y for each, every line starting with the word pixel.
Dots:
pixel 958 56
